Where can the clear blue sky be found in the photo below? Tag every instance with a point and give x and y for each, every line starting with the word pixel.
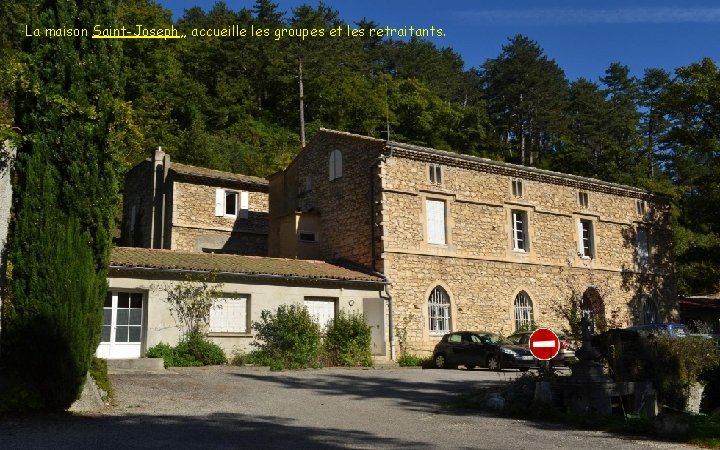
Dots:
pixel 583 37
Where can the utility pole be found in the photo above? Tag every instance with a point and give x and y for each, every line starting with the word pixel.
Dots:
pixel 302 109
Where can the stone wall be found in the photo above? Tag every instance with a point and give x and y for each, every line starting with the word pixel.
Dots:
pixel 479 224
pixel 343 204
pixel 137 195
pixel 478 266
pixel 224 241
pixel 482 293
pixel 195 227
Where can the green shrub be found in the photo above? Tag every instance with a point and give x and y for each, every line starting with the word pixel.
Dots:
pixel 99 372
pixel 288 338
pixel 195 351
pixel 164 351
pixel 408 360
pixel 200 349
pixel 672 364
pixel 347 341
pixel 255 357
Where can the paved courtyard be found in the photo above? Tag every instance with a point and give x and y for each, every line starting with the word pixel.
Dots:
pixel 232 407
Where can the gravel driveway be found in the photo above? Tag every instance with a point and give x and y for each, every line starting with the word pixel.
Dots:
pixel 232 407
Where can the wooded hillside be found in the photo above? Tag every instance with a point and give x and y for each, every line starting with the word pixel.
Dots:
pixel 232 103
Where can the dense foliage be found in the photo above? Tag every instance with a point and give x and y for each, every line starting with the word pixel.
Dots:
pixel 66 184
pixel 347 341
pixel 192 351
pixel 673 364
pixel 288 338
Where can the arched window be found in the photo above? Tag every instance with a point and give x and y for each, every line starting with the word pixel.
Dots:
pixel 523 311
pixel 335 164
pixel 593 309
pixel 649 313
pixel 439 311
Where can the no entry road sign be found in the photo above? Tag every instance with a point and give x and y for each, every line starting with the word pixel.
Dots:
pixel 544 344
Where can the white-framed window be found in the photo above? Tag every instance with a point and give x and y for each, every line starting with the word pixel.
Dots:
pixel 122 317
pixel 583 200
pixel 517 187
pixel 643 247
pixel 230 314
pixel 649 312
pixel 335 164
pixel 640 207
pixel 435 211
pixel 435 172
pixel 586 247
pixel 523 311
pixel 439 311
pixel 519 231
pixel 308 236
pixel 229 203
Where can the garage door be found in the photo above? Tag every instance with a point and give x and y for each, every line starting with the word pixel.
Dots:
pixel 321 309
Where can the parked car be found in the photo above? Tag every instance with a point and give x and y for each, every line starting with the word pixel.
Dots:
pixel 679 330
pixel 565 356
pixel 481 349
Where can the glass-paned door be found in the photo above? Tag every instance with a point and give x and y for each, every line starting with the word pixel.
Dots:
pixel 122 325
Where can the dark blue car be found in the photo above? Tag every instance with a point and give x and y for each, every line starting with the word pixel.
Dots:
pixel 678 330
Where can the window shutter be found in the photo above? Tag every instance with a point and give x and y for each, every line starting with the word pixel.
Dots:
pixel 244 204
pixel 581 241
pixel 435 210
pixel 219 202
pixel 331 168
pixel 230 316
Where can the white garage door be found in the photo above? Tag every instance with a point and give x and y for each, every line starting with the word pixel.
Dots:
pixel 321 309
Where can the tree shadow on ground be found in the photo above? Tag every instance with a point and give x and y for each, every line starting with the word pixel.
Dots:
pixel 213 431
pixel 413 395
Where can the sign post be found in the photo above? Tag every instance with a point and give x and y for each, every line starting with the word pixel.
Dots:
pixel 544 344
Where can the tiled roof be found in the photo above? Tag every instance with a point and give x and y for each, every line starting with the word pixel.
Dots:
pixel 145 258
pixel 202 172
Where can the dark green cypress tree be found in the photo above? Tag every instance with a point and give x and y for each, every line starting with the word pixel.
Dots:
pixel 65 193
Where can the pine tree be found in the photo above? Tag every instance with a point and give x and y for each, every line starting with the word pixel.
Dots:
pixel 65 196
pixel 526 96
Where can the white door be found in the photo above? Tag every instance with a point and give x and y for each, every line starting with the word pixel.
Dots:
pixel 122 325
pixel 321 309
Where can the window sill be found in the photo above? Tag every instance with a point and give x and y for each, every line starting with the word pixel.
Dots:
pixel 229 334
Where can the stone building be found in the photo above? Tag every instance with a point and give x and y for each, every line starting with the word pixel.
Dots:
pixel 192 222
pixel 180 207
pixel 470 243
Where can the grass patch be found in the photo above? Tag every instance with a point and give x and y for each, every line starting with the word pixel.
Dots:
pixel 705 431
pixel 414 361
pixel 99 372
